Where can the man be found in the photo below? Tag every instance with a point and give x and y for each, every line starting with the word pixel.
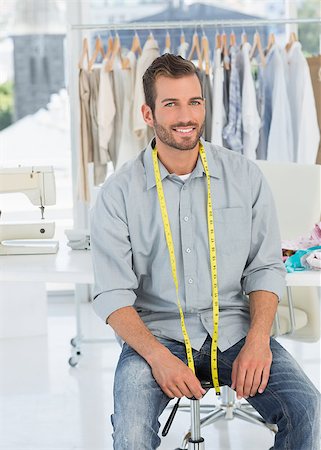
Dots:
pixel 135 290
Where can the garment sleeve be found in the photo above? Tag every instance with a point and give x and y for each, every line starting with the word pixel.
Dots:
pixel 115 279
pixel 264 269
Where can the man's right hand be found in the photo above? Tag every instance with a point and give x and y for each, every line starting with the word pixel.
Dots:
pixel 174 377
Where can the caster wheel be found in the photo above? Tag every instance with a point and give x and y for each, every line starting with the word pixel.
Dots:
pixel 73 361
pixel 73 342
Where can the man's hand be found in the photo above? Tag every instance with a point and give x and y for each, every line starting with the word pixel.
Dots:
pixel 251 368
pixel 174 377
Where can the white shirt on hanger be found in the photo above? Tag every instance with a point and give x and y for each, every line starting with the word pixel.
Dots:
pixel 218 110
pixel 149 53
pixel 129 145
pixel 302 105
pixel 182 49
pixel 277 135
pixel 250 117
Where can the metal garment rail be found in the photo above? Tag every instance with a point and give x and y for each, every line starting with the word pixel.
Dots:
pixel 192 24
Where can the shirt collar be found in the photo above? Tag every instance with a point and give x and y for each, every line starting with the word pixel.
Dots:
pixel 213 166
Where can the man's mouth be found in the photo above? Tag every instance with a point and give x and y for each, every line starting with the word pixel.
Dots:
pixel 184 130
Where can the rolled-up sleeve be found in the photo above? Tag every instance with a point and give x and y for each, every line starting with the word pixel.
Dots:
pixel 115 279
pixel 264 268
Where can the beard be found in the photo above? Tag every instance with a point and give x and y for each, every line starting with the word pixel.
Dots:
pixel 166 135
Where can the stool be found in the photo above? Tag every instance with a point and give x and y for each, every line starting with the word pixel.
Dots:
pixel 226 410
pixel 193 439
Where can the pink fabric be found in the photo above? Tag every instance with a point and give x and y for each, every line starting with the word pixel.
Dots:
pixel 302 242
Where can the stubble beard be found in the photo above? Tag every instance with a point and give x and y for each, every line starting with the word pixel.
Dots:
pixel 167 138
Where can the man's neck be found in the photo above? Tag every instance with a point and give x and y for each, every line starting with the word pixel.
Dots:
pixel 176 161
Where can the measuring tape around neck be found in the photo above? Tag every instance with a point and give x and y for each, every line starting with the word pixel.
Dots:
pixel 170 245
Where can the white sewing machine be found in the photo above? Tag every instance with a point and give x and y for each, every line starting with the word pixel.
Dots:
pixel 25 238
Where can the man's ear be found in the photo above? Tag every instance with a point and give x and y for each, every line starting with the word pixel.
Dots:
pixel 147 115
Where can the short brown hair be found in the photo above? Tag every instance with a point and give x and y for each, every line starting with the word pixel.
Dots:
pixel 167 65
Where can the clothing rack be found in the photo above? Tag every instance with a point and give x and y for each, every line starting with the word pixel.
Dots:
pixel 192 24
pixel 74 37
pixel 75 33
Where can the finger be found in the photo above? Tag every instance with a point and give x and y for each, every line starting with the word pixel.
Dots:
pixel 248 382
pixel 185 390
pixel 240 378
pixel 234 373
pixel 265 379
pixel 256 382
pixel 175 391
pixel 196 390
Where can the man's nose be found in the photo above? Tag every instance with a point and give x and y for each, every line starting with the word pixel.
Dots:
pixel 185 114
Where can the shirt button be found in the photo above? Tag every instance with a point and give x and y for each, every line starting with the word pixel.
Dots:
pixel 186 219
pixel 190 281
pixel 188 250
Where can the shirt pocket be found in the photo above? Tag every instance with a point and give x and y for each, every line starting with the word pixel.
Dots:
pixel 232 230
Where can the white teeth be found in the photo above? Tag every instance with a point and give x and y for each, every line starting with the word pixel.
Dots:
pixel 184 130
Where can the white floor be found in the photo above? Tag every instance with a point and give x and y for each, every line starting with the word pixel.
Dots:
pixel 47 405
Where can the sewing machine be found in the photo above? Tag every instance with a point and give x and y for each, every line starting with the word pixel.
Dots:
pixel 25 238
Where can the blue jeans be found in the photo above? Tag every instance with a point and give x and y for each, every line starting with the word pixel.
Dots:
pixel 290 400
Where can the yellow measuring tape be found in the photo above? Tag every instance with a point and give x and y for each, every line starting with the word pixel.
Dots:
pixel 170 245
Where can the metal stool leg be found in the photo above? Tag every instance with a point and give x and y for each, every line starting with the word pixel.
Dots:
pixel 195 442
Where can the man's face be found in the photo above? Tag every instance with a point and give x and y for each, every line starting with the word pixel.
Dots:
pixel 179 116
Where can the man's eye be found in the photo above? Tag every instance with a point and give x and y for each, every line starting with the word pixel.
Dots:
pixel 195 102
pixel 170 104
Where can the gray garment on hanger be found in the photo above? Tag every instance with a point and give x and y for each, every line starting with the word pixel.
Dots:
pixel 261 151
pixel 100 170
pixel 207 92
pixel 226 89
pixel 232 132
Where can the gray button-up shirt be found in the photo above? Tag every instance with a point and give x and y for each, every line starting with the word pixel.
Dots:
pixel 131 259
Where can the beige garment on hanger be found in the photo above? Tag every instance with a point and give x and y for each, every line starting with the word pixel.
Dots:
pixel 100 168
pixel 314 63
pixel 150 52
pixel 86 144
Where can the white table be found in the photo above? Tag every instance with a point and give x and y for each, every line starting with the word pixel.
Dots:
pixel 66 266
pixel 75 266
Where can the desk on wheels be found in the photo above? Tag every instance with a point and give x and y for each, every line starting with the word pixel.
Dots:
pixel 75 266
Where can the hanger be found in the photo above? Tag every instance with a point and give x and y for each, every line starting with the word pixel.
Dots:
pixel 135 48
pixel 257 45
pixel 136 44
pixel 116 51
pixel 244 37
pixel 218 41
pixel 196 47
pixel 168 41
pixel 84 53
pixel 98 49
pixel 232 39
pixel 205 54
pixel 271 41
pixel 224 50
pixel 182 38
pixel 109 47
pixel 293 38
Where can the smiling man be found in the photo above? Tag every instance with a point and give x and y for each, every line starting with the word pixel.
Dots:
pixel 193 298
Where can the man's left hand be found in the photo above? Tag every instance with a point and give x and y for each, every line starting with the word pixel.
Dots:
pixel 251 368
